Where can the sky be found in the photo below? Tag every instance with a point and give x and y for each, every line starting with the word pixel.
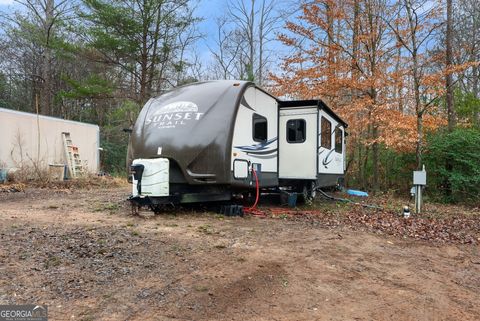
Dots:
pixel 208 10
pixel 207 26
pixel 5 2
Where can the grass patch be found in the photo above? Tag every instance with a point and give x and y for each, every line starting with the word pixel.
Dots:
pixel 52 261
pixel 201 288
pixel 206 229
pixel 177 248
pixel 106 207
pixel 171 225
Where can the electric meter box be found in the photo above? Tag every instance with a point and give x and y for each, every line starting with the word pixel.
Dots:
pixel 420 178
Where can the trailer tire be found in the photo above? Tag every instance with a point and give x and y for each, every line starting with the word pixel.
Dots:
pixel 308 192
pixel 313 190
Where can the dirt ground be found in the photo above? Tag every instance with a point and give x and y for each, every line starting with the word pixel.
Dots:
pixel 86 257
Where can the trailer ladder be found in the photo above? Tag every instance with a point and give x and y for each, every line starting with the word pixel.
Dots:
pixel 72 155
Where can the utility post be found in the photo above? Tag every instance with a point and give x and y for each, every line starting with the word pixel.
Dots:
pixel 419 181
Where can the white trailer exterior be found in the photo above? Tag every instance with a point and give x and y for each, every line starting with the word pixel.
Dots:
pixel 303 144
pixel 316 146
pixel 26 138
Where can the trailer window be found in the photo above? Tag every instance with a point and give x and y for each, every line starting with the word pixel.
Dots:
pixel 338 140
pixel 326 136
pixel 259 128
pixel 296 129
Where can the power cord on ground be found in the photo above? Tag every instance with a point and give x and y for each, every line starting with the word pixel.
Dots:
pixel 346 200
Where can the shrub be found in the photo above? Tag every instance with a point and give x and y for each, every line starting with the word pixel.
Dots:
pixel 461 147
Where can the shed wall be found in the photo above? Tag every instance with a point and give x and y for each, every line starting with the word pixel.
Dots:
pixel 19 140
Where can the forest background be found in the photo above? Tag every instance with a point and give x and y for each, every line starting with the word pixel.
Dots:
pixel 404 74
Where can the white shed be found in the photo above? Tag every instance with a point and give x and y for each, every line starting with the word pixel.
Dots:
pixel 26 138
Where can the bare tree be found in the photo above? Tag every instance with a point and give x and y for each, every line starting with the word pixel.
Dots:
pixel 226 51
pixel 244 35
pixel 36 29
pixel 32 35
pixel 467 39
pixel 186 39
pixel 418 32
pixel 244 17
pixel 266 28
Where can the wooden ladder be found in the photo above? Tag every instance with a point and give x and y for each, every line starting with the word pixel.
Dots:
pixel 72 155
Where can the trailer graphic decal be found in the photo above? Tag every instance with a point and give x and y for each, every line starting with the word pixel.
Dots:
pixel 263 150
pixel 327 161
pixel 245 104
pixel 174 114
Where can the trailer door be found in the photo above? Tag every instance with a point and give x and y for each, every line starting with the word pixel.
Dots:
pixel 298 143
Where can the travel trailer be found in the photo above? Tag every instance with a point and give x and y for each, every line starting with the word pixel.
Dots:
pixel 218 140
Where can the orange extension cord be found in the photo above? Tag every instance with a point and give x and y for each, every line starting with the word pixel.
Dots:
pixel 275 211
pixel 253 210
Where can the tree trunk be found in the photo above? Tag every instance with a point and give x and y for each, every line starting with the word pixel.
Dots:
pixel 365 171
pixel 399 81
pixel 476 75
pixel 449 62
pixel 419 112
pixel 251 43
pixel 359 161
pixel 330 35
pixel 416 82
pixel 375 158
pixel 46 94
pixel 355 46
pixel 419 147
pixel 153 61
pixel 449 98
pixel 261 40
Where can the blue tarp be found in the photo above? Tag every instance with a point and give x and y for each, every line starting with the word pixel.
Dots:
pixel 357 193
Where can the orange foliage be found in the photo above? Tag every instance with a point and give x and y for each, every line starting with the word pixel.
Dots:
pixel 365 81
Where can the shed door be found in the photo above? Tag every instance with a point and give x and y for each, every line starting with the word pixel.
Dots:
pixel 298 143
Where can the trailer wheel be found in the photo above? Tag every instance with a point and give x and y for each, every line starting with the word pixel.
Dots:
pixel 312 190
pixel 308 192
pixel 340 184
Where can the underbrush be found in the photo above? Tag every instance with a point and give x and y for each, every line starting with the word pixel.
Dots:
pixel 392 203
pixel 42 178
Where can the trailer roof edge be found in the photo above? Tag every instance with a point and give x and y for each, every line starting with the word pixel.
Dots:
pixel 311 102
